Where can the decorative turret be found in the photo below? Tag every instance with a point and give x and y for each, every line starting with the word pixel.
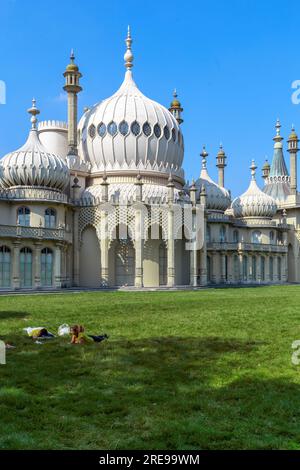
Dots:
pixel 293 149
pixel 72 87
pixel 266 170
pixel 278 182
pixel 176 108
pixel 221 163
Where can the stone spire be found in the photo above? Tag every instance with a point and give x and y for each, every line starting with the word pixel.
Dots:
pixel 293 150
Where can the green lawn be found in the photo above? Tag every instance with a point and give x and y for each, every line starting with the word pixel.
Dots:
pixel 207 369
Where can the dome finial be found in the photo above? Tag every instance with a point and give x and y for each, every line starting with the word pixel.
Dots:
pixel 33 111
pixel 128 56
pixel 72 56
pixel 253 170
pixel 204 154
pixel 277 127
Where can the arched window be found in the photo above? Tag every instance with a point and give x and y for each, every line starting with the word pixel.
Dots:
pixel 253 268
pixel 23 216
pixel 256 237
pixel 271 268
pixel 5 263
pixel 208 234
pixel 26 267
pixel 50 218
pixel 262 268
pixel 222 234
pixel 271 236
pixel 46 267
pixel 245 268
pixel 235 236
pixel 236 268
pixel 279 269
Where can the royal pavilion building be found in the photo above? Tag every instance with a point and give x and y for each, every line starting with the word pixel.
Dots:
pixel 103 202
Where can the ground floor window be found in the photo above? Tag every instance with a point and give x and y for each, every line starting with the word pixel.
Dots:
pixel 26 267
pixel 236 268
pixel 262 268
pixel 46 267
pixel 245 268
pixel 163 264
pixel 5 266
pixel 279 269
pixel 253 268
pixel 271 269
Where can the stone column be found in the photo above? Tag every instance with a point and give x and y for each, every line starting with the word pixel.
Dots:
pixel 16 265
pixel 240 255
pixel 193 265
pixel 275 271
pixel 75 249
pixel 57 266
pixel 258 269
pixel 171 241
pixel 267 268
pixel 104 247
pixel 139 245
pixel 230 267
pixel 284 268
pixel 213 265
pixel 203 265
pixel 37 265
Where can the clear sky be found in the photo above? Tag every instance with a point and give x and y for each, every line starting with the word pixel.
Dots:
pixel 232 62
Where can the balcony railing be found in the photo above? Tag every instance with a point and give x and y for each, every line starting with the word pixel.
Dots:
pixel 243 246
pixel 18 231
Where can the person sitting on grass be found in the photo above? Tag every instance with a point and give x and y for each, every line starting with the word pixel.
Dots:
pixel 80 337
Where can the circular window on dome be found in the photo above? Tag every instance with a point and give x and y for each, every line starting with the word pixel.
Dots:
pixel 112 128
pixel 123 128
pixel 166 132
pixel 174 135
pixel 135 128
pixel 101 129
pixel 92 131
pixel 157 130
pixel 147 129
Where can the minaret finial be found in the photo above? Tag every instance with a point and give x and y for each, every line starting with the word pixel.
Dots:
pixel 278 126
pixel 128 56
pixel 72 56
pixel 33 111
pixel 204 155
pixel 253 170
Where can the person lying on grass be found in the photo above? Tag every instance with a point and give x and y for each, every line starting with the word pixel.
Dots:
pixel 80 337
pixel 35 333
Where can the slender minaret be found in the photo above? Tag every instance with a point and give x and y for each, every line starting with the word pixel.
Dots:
pixel 293 149
pixel 176 108
pixel 72 87
pixel 221 163
pixel 266 170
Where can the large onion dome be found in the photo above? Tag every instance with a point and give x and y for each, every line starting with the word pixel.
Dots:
pixel 217 198
pixel 254 202
pixel 130 133
pixel 33 164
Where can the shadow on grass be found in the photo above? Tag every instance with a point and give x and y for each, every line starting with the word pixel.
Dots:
pixel 12 314
pixel 164 392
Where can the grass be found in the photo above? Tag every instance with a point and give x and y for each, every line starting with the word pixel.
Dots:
pixel 204 369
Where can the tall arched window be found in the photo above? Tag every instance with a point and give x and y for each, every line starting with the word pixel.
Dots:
pixel 279 269
pixel 235 236
pixel 50 218
pixel 46 267
pixel 26 267
pixel 245 268
pixel 271 268
pixel 262 268
pixel 271 237
pixel 236 268
pixel 23 216
pixel 256 237
pixel 222 234
pixel 5 263
pixel 253 268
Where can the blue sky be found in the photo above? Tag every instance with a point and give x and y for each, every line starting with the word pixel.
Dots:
pixel 232 62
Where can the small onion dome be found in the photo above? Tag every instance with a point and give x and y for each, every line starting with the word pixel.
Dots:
pixel 33 164
pixel 72 67
pixel 217 198
pixel 293 135
pixel 254 202
pixel 175 103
